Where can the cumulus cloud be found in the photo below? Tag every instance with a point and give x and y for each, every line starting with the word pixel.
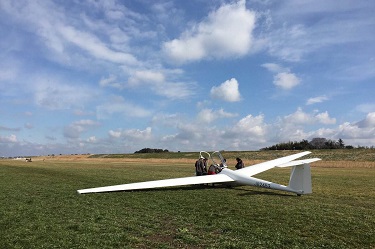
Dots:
pixel 360 133
pixel 283 78
pixel 368 122
pixel 286 80
pixel 300 117
pixel 136 134
pixel 227 91
pixel 253 126
pixel 324 118
pixel 226 32
pixel 249 132
pixel 91 139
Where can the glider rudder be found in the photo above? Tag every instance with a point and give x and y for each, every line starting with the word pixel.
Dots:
pixel 300 179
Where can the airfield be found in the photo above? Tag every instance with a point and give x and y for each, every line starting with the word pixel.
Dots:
pixel 40 207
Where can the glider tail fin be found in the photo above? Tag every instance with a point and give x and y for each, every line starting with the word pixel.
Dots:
pixel 300 179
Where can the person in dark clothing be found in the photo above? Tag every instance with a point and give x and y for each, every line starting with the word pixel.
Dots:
pixel 204 166
pixel 201 166
pixel 239 164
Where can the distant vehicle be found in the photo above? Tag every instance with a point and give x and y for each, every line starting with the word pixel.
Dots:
pixel 299 183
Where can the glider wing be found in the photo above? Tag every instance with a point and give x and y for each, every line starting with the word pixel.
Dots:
pixel 218 178
pixel 260 167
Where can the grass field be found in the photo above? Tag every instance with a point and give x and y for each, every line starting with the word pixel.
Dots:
pixel 40 207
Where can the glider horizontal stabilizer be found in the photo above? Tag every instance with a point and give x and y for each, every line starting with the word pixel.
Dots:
pixel 298 162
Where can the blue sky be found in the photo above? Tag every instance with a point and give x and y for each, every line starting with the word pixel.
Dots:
pixel 118 76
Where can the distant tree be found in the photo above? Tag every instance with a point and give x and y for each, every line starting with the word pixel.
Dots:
pixel 341 143
pixel 318 143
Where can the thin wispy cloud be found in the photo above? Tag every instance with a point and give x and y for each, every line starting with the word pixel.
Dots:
pixel 316 100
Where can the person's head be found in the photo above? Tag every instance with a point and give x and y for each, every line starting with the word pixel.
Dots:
pixel 238 159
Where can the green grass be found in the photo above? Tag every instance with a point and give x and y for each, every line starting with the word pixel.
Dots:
pixel 41 209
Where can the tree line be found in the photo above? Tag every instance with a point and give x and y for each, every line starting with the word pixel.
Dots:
pixel 314 144
pixel 149 150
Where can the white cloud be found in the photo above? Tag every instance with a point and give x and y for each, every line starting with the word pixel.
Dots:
pixel 300 117
pixel 360 133
pixel 71 37
pixel 75 129
pixel 159 83
pixel 315 100
pixel 292 35
pixel 227 91
pixel 368 122
pixel 114 134
pixel 111 81
pixel 283 78
pixel 94 46
pixel 273 67
pixel 117 104
pixel 132 134
pixel 286 80
pixel 8 139
pixel 146 77
pixel 366 108
pixel 287 43
pixel 227 32
pixel 91 139
pixel 209 115
pixel 50 93
pixel 324 118
pixel 251 126
pixel 5 128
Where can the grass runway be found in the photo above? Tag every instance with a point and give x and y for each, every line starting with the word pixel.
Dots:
pixel 40 207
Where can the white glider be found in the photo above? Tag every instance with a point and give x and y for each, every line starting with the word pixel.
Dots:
pixel 299 183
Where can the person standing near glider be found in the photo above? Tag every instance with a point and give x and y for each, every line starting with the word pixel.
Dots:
pixel 239 164
pixel 200 166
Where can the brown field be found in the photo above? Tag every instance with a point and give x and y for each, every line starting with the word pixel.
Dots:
pixel 231 162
